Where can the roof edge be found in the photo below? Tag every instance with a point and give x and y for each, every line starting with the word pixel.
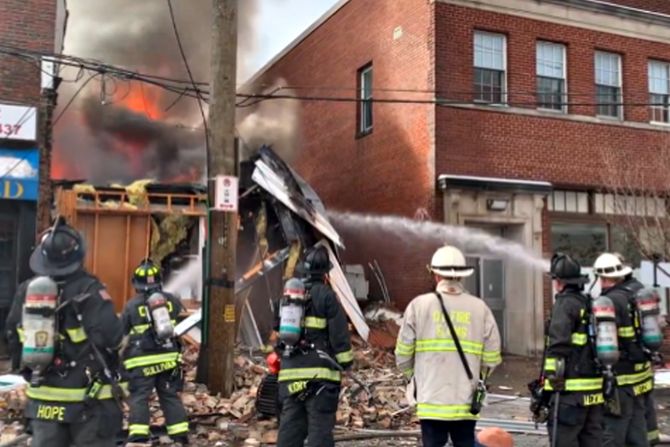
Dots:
pixel 491 183
pixel 294 43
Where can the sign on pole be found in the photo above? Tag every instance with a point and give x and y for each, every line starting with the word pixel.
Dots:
pixel 226 193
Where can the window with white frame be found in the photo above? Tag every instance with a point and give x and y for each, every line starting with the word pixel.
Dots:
pixel 568 202
pixel 659 91
pixel 551 76
pixel 489 67
pixel 608 84
pixel 629 205
pixel 365 105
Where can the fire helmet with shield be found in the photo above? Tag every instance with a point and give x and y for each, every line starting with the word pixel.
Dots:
pixel 609 265
pixel 147 276
pixel 316 262
pixel 566 269
pixel 60 253
pixel 449 262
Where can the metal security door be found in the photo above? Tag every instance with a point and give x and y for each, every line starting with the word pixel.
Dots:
pixel 488 283
pixel 493 290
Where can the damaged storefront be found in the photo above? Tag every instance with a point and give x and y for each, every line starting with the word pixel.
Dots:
pixel 279 216
pixel 19 186
pixel 511 209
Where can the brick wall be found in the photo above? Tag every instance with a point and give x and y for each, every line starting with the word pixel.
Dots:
pixel 393 170
pixel 565 152
pixel 28 24
pixel 389 170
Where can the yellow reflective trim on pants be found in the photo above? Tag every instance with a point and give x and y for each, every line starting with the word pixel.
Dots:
pixel 22 334
pixel 148 360
pixel 653 435
pixel 448 345
pixel 578 339
pixel 445 412
pixel 643 387
pixel 316 323
pixel 595 384
pixel 77 334
pixel 55 394
pixel 138 429
pixel 626 331
pixel 404 349
pixel 177 429
pixel 492 357
pixel 344 357
pixel 593 399
pixel 634 379
pixel 287 375
pixel 408 372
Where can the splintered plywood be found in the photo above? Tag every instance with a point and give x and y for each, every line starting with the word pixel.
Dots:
pixel 115 245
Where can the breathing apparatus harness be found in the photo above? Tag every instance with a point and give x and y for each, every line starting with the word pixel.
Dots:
pixel 644 312
pixel 62 366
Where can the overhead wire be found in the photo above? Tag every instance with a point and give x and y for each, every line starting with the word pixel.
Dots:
pixel 190 76
pixel 72 98
pixel 191 88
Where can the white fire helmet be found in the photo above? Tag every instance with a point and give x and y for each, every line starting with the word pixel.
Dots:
pixel 449 262
pixel 609 265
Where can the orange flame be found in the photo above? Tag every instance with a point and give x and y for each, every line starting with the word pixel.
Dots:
pixel 142 99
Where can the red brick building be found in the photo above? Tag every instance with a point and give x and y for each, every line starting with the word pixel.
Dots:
pixel 513 116
pixel 38 26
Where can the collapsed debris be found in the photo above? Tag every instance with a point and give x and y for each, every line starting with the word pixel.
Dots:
pixel 374 400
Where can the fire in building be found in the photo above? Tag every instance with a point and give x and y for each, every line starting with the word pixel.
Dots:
pixel 538 121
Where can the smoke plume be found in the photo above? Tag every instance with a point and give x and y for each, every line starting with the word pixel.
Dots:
pixel 273 122
pixel 119 131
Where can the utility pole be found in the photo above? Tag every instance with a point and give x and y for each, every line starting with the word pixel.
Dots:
pixel 219 307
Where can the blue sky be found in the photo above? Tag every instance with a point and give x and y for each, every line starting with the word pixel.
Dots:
pixel 281 21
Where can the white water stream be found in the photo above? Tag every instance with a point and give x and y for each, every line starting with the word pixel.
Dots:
pixel 403 229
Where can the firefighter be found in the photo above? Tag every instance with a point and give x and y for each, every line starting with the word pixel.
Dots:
pixel 625 423
pixel 309 378
pixel 445 391
pixel 653 435
pixel 152 357
pixel 571 370
pixel 75 399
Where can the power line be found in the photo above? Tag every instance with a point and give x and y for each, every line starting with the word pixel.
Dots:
pixel 191 88
pixel 72 98
pixel 190 75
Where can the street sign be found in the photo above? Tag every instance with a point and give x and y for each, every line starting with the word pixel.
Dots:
pixel 225 193
pixel 18 122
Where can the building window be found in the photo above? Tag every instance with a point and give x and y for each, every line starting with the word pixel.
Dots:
pixel 608 84
pixel 659 91
pixel 365 104
pixel 551 76
pixel 629 205
pixel 489 67
pixel 583 241
pixel 568 202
